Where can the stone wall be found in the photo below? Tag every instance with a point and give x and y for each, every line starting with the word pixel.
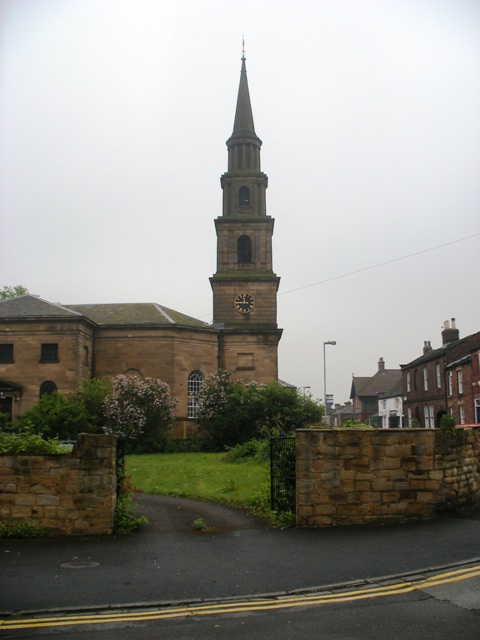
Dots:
pixel 72 494
pixel 359 476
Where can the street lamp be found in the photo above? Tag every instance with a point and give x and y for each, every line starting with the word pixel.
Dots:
pixel 332 342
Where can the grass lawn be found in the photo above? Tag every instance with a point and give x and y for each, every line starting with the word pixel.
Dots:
pixel 202 476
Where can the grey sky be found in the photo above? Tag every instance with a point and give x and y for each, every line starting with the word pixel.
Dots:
pixel 113 122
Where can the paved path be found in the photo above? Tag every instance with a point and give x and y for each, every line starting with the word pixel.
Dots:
pixel 167 561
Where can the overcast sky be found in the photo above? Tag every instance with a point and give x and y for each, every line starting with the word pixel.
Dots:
pixel 113 122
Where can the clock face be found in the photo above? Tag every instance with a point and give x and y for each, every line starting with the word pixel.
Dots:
pixel 244 302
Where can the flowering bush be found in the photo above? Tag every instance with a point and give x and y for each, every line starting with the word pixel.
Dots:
pixel 140 410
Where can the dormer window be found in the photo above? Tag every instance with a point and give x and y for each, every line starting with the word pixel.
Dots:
pixel 244 197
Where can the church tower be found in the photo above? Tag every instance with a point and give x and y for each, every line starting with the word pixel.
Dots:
pixel 244 285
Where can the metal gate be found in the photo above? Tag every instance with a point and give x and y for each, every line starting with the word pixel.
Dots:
pixel 282 474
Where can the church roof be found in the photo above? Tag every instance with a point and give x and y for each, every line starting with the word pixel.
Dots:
pixel 146 313
pixel 28 306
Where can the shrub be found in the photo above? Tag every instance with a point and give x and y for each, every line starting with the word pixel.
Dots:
pixel 140 411
pixel 55 415
pixel 354 424
pixel 20 530
pixel 234 412
pixel 448 423
pixel 28 444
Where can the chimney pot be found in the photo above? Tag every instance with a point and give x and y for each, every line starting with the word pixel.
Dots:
pixel 381 365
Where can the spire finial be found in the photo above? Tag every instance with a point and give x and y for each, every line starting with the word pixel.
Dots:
pixel 243 47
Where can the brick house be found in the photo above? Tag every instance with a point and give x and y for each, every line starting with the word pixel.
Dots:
pixel 366 391
pixel 444 380
pixel 46 347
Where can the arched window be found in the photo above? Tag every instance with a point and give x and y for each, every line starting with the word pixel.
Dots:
pixel 244 249
pixel 47 388
pixel 244 197
pixel 195 381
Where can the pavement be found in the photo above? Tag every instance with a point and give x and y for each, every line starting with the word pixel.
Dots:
pixel 237 555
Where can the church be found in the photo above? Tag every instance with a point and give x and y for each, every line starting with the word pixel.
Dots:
pixel 47 347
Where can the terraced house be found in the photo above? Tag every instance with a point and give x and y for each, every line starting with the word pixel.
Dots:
pixel 46 346
pixel 444 380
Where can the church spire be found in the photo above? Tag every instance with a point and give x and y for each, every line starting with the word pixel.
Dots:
pixel 243 126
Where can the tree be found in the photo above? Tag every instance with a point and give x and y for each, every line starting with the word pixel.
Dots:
pixel 12 292
pixel 233 412
pixel 141 411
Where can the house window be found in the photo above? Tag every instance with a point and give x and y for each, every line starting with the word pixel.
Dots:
pixel 49 353
pixel 195 382
pixel 244 197
pixel 477 410
pixel 415 380
pixel 409 417
pixel 244 249
pixel 438 373
pixel 47 388
pixel 450 383
pixel 425 379
pixel 6 353
pixel 429 419
pixel 460 381
pixel 408 383
pixel 461 410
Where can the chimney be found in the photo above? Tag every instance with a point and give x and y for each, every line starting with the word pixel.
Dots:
pixel 450 333
pixel 427 347
pixel 381 365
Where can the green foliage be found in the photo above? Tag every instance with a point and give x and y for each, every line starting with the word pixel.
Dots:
pixel 20 530
pixel 448 424
pixel 354 424
pixel 199 524
pixel 234 412
pixel 256 449
pixel 12 292
pixel 140 411
pixel 415 424
pixel 28 444
pixel 56 415
pixel 65 416
pixel 91 394
pixel 125 519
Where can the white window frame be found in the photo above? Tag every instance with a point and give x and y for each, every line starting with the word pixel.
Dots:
pixel 460 382
pixel 425 379
pixel 409 417
pixel 408 382
pixel 450 383
pixel 461 413
pixel 194 384
pixel 429 419
pixel 438 372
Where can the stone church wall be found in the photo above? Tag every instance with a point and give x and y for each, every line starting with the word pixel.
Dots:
pixel 70 494
pixel 355 476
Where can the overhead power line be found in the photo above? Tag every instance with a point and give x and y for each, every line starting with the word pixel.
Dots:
pixel 373 266
pixel 380 264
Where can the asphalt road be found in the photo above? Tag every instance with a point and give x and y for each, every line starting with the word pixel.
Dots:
pixel 240 557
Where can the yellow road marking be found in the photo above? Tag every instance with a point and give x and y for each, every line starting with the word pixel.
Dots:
pixel 286 602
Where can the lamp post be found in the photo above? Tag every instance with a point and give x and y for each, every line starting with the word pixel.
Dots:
pixel 332 342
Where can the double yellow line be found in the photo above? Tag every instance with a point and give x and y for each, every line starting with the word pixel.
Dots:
pixel 237 606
